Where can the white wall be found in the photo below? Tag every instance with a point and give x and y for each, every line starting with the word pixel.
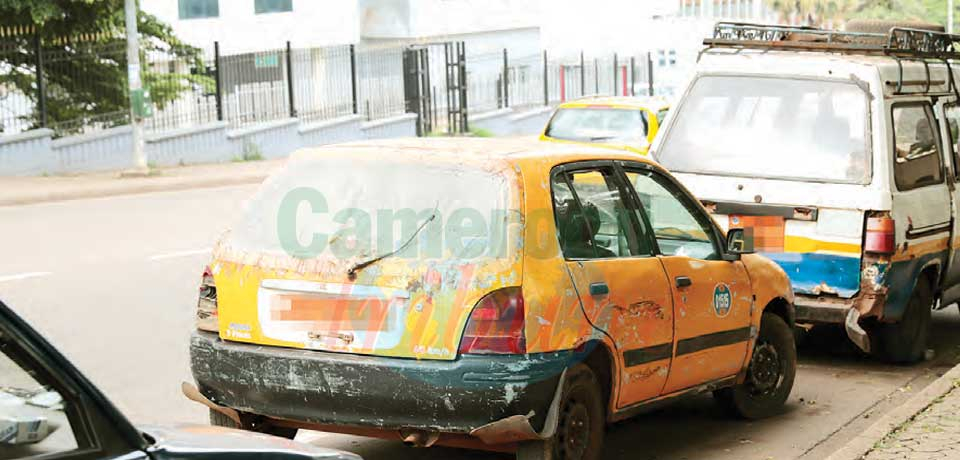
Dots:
pixel 312 23
pixel 406 19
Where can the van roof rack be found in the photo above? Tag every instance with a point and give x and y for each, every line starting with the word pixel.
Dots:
pixel 900 41
pixel 901 44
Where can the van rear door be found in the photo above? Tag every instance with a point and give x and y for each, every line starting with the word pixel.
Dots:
pixel 948 111
pixel 789 157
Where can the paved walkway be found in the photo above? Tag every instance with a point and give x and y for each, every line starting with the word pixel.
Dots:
pixel 27 190
pixel 932 434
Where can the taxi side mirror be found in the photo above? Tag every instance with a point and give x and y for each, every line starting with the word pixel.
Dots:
pixel 739 242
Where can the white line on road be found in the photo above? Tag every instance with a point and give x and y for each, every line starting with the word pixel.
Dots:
pixel 172 255
pixel 23 276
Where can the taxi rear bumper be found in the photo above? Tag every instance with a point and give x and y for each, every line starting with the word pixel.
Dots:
pixel 317 388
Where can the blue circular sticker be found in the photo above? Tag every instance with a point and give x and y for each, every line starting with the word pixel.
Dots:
pixel 722 300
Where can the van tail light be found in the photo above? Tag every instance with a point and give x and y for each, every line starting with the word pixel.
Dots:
pixel 207 314
pixel 879 237
pixel 496 325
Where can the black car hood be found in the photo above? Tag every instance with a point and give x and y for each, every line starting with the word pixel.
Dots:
pixel 211 442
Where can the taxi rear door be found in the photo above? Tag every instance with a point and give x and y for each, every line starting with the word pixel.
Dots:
pixel 622 285
pixel 712 298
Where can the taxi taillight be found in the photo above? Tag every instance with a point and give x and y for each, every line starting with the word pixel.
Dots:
pixel 879 237
pixel 207 314
pixel 496 325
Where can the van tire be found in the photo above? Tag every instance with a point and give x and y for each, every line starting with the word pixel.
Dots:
pixel 581 418
pixel 770 375
pixel 905 342
pixel 217 418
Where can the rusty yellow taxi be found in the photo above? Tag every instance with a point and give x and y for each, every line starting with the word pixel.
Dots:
pixel 622 122
pixel 509 295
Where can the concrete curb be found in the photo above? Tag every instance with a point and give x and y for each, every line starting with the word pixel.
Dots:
pixel 861 445
pixel 131 186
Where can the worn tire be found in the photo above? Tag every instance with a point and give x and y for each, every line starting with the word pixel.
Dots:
pixel 770 374
pixel 580 428
pixel 218 419
pixel 905 342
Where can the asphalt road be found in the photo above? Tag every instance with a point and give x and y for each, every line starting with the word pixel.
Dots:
pixel 112 282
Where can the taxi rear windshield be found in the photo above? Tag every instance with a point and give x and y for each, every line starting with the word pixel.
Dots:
pixel 782 128
pixel 370 207
pixel 598 124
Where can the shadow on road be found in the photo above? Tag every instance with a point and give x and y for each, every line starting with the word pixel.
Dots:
pixel 831 369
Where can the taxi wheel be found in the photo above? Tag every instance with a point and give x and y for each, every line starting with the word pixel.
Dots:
pixel 218 419
pixel 905 342
pixel 770 374
pixel 579 434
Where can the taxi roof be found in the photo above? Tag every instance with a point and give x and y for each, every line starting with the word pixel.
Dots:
pixel 470 150
pixel 653 103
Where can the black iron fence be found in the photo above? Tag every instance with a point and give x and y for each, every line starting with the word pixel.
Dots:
pixel 81 87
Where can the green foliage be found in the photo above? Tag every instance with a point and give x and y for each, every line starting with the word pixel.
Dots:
pixel 85 65
pixel 819 12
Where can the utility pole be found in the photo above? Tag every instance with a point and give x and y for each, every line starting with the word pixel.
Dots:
pixel 950 16
pixel 137 99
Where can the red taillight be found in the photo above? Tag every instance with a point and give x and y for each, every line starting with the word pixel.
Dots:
pixel 207 310
pixel 879 237
pixel 496 324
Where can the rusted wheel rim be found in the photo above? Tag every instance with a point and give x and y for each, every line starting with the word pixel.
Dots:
pixel 766 371
pixel 574 434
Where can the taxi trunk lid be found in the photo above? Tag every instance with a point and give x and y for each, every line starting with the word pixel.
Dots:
pixel 407 252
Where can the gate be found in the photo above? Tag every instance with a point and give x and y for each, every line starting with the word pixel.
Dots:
pixel 456 67
pixel 420 92
pixel 416 87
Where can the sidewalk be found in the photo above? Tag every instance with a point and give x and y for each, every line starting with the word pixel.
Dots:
pixel 27 190
pixel 925 426
pixel 934 433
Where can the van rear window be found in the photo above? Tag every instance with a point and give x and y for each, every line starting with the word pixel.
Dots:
pixel 793 129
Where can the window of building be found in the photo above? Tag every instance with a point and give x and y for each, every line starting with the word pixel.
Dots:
pixel 193 9
pixel 272 6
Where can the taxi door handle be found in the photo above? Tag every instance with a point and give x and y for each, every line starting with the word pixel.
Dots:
pixel 598 289
pixel 683 281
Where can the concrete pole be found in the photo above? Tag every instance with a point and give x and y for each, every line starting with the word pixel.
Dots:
pixel 950 16
pixel 135 84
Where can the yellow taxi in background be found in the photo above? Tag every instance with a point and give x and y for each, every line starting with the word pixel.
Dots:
pixel 502 294
pixel 623 122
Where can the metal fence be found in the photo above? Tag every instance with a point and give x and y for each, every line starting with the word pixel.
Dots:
pixel 80 86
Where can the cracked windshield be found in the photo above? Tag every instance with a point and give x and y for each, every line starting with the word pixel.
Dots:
pixel 479 229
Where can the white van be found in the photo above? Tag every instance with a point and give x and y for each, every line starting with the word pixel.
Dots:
pixel 838 151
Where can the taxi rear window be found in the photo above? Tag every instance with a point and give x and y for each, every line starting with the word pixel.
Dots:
pixel 359 207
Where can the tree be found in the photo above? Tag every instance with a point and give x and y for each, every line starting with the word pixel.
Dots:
pixel 84 51
pixel 821 12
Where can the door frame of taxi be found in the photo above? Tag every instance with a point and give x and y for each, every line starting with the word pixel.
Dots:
pixel 701 333
pixel 603 285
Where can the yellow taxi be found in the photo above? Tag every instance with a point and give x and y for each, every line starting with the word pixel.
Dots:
pixel 622 122
pixel 507 295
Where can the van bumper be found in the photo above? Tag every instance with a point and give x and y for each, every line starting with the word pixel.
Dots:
pixel 316 388
pixel 842 311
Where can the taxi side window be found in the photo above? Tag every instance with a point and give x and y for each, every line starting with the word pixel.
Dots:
pixel 917 158
pixel 592 219
pixel 952 113
pixel 679 228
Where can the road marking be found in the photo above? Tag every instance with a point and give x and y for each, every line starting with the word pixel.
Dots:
pixel 23 276
pixel 173 255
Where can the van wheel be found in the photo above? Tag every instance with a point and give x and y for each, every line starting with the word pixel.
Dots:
pixel 579 434
pixel 906 342
pixel 770 374
pixel 218 419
